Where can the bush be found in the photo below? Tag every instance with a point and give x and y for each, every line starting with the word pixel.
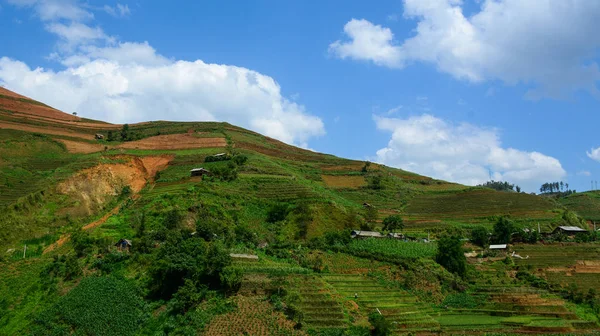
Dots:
pixel 82 242
pixel 393 222
pixel 451 255
pixel 240 160
pixel 503 229
pixel 278 212
pixel 381 327
pixel 480 236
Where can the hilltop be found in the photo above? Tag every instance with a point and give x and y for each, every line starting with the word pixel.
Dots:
pixel 72 187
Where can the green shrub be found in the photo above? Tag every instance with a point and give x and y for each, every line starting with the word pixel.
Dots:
pixel 97 306
pixel 381 327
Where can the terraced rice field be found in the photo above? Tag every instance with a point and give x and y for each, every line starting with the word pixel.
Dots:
pixel 318 303
pixel 478 204
pixel 399 307
pixel 344 181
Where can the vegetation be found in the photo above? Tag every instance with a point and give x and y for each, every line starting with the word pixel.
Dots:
pixel 285 215
pixel 500 186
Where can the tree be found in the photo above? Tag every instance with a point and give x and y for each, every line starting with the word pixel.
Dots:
pixel 365 168
pixel 110 136
pixel 393 222
pixel 562 185
pixel 480 236
pixel 375 182
pixel 518 189
pixel 278 212
pixel 75 113
pixel 451 255
pixel 125 132
pixel 503 229
pixel 381 327
pixel 371 215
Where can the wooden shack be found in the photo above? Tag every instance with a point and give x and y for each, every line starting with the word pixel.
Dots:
pixel 199 172
pixel 366 234
pixel 123 244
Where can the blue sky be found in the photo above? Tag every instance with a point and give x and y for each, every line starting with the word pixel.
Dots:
pixel 455 90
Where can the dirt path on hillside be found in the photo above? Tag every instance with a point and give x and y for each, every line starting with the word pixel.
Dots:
pixel 147 166
pixel 174 141
pixel 81 147
pixel 44 130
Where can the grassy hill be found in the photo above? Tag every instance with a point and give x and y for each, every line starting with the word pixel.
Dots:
pixel 67 198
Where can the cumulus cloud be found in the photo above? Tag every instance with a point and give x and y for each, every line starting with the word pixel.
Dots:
pixel 584 173
pixel 594 154
pixel 461 153
pixel 126 82
pixel 549 44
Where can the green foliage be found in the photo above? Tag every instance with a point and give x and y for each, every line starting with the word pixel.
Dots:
pixel 97 306
pixel 226 173
pixel 240 160
pixel 110 136
pixel 303 217
pixel 503 230
pixel 391 248
pixel 125 136
pixel 381 327
pixel 172 219
pixel 375 182
pixel 480 236
pixel 278 212
pixel 82 242
pixel 450 255
pixel 393 223
pixel 182 257
pixel 365 168
pixel 188 296
pixel 500 186
pixel 217 158
pixel 371 215
pixel 463 300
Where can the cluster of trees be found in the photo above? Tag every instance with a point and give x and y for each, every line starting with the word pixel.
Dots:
pixel 504 232
pixel 299 214
pixel 500 186
pixel 556 187
pixel 229 172
pixel 124 135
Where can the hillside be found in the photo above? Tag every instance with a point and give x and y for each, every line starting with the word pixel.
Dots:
pixel 67 198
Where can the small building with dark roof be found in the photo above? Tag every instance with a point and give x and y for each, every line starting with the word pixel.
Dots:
pixel 569 230
pixel 123 244
pixel 199 172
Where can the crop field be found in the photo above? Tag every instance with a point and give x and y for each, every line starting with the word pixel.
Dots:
pixel 400 308
pixel 393 248
pixel 587 204
pixel 478 203
pixel 344 181
pixel 253 316
pixel 557 254
pixel 318 303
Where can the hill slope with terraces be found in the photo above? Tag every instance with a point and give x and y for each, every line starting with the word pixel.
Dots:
pixel 72 187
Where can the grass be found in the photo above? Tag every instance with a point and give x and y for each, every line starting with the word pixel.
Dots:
pixel 392 248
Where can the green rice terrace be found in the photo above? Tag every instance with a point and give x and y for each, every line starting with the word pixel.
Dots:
pixel 106 230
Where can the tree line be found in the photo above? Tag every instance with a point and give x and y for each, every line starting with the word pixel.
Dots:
pixel 500 186
pixel 556 187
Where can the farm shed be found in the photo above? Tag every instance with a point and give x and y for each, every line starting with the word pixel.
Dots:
pixel 123 244
pixel 498 247
pixel 199 172
pixel 571 230
pixel 366 234
pixel 99 136
pixel 244 256
pixel 396 235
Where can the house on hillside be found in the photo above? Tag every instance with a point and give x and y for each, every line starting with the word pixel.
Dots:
pixel 569 230
pixel 199 172
pixel 367 205
pixel 123 244
pixel 99 136
pixel 366 234
pixel 396 235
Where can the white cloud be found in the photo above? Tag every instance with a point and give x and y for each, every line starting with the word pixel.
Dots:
pixel 120 88
pixel 369 42
pixel 594 154
pixel 461 153
pixel 550 44
pixel 131 82
pixel 118 11
pixel 53 10
pixel 584 173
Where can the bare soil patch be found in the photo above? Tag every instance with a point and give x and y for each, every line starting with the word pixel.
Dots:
pixel 344 181
pixel 81 147
pixel 9 93
pixel 44 130
pixel 174 141
pixel 35 109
